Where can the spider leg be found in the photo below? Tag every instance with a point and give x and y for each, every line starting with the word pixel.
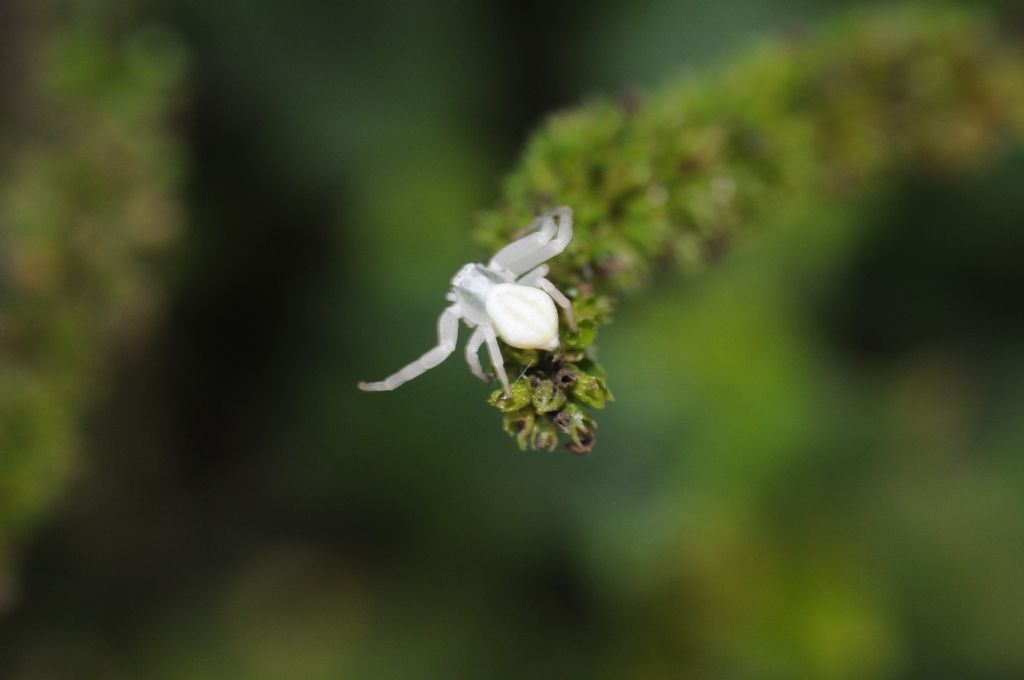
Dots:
pixel 531 277
pixel 553 245
pixel 519 248
pixel 447 334
pixel 472 358
pixel 497 361
pixel 560 299
pixel 528 252
pixel 537 223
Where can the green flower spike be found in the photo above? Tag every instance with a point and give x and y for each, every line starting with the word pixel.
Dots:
pixel 676 179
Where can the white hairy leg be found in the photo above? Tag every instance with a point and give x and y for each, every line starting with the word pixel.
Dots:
pixel 531 277
pixel 547 244
pixel 497 361
pixel 472 358
pixel 526 245
pixel 528 252
pixel 447 335
pixel 559 298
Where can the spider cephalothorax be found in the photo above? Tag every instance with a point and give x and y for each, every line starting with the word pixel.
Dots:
pixel 508 298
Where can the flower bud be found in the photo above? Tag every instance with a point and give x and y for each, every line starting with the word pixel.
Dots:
pixel 519 424
pixel 520 398
pixel 547 397
pixel 591 390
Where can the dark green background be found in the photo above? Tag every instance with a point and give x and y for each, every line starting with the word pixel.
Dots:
pixel 812 468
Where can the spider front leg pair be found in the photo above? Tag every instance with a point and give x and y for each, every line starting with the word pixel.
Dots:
pixel 507 298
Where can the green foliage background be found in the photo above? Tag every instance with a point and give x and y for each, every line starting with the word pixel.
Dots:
pixel 88 195
pixel 812 467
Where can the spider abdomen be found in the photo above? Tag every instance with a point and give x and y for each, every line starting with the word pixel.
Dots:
pixel 523 317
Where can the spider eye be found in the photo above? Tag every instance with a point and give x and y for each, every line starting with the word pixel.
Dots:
pixel 461 275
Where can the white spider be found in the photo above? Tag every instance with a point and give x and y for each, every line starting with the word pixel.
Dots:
pixel 507 298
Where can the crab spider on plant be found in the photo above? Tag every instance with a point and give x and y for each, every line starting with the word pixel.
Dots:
pixel 507 298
